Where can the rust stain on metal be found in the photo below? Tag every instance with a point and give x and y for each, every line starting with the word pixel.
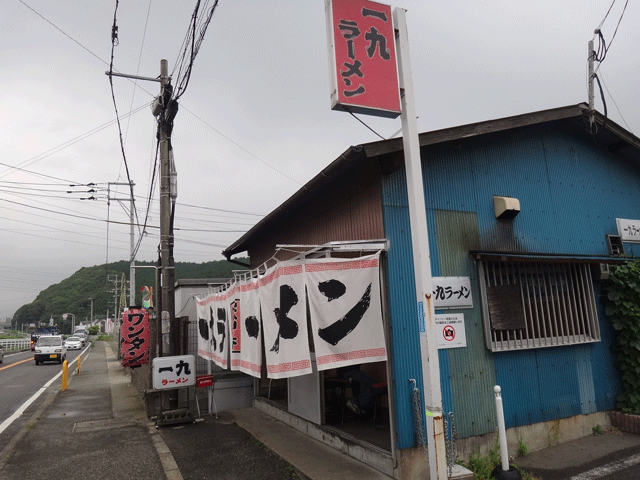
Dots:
pixel 439 443
pixel 428 309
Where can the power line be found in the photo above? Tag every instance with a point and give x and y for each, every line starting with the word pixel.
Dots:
pixel 242 148
pixel 114 42
pixel 219 209
pixel 616 105
pixel 198 25
pixel 605 17
pixel 64 145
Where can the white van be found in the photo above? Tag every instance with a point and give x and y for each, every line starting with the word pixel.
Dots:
pixel 50 348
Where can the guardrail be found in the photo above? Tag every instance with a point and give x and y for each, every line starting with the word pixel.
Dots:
pixel 15 344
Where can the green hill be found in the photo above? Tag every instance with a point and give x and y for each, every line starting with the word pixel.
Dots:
pixel 74 294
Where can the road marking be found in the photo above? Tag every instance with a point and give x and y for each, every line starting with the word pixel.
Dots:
pixel 16 363
pixel 608 469
pixel 4 425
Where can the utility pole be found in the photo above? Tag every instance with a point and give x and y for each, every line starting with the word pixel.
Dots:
pixel 590 60
pixel 167 176
pixel 165 109
pixel 132 266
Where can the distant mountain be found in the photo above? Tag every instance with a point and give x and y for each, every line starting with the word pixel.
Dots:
pixel 74 294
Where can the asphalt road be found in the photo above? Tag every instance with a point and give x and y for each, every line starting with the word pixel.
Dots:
pixel 20 379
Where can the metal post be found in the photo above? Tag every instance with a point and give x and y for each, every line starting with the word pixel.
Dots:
pixel 421 257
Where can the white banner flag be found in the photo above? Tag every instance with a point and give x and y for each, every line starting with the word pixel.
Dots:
pixel 219 313
pixel 346 312
pixel 246 328
pixel 213 328
pixel 204 326
pixel 284 322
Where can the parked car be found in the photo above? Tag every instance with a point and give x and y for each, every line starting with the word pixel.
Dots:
pixel 74 343
pixel 1 354
pixel 50 348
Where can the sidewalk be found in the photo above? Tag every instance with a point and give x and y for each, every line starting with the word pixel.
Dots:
pixel 98 429
pixel 77 434
pixel 579 456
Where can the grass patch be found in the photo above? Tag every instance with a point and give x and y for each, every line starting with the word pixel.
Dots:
pixel 291 472
pixel 523 448
pixel 483 465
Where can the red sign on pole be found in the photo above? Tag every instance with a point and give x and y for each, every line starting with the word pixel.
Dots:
pixel 134 337
pixel 362 46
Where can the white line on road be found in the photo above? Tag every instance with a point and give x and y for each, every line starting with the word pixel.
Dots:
pixel 608 469
pixel 4 425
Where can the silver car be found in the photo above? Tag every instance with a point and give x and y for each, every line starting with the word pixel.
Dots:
pixel 73 343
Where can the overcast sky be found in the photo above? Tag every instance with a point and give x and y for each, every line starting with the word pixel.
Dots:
pixel 255 122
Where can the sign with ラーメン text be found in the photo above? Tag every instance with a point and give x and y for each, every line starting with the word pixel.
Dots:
pixel 364 74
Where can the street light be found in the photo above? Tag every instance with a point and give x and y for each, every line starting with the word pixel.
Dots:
pixel 73 320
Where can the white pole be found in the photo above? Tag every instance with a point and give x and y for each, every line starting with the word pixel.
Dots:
pixel 421 257
pixel 502 433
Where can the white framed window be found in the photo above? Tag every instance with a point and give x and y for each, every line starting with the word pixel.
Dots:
pixel 535 304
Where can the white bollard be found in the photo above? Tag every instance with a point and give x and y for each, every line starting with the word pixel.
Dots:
pixel 502 433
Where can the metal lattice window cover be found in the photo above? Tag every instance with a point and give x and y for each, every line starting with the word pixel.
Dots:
pixel 533 304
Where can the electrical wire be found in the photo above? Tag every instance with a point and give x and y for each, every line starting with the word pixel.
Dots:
pixel 135 81
pixel 219 209
pixel 616 105
pixel 198 26
pixel 114 42
pixel 77 42
pixel 605 17
pixel 242 148
pixel 151 190
pixel 62 146
pixel 619 20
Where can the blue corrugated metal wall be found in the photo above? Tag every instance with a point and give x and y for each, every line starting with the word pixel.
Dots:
pixel 570 191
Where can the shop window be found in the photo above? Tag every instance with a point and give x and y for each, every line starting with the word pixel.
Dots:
pixel 534 304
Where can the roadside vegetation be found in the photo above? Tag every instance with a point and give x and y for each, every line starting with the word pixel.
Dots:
pixel 11 335
pixel 623 307
pixel 483 465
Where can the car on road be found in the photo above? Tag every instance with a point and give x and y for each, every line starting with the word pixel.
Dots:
pixel 1 354
pixel 82 334
pixel 50 348
pixel 73 343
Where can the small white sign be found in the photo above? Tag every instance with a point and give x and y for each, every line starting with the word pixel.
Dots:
pixel 452 292
pixel 450 328
pixel 629 230
pixel 174 372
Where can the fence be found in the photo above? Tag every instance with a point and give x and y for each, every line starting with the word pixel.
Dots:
pixel 15 344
